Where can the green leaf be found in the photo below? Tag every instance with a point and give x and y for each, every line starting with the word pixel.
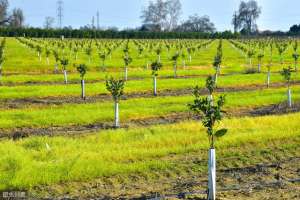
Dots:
pixel 221 132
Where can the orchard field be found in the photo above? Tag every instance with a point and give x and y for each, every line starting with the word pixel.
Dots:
pixel 54 143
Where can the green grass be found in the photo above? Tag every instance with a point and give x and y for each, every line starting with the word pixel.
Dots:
pixel 139 108
pixel 27 61
pixel 134 86
pixel 28 162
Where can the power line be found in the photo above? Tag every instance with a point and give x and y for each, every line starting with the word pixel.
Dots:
pixel 60 13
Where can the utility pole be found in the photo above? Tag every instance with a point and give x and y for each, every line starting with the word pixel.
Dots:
pixel 60 13
pixel 98 20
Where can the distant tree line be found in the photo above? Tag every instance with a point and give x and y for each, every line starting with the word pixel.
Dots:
pixel 160 20
pixel 129 34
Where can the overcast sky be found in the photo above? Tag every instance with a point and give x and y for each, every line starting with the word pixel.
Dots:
pixel 276 14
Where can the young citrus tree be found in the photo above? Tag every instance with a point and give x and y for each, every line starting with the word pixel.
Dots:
pixel 183 57
pixel 250 55
pixel 102 56
pixel 115 87
pixel 75 50
pixel 39 51
pixel 270 65
pixel 2 46
pixel 287 74
pixel 82 69
pixel 296 56
pixel 47 52
pixel 217 62
pixel 210 114
pixel 175 59
pixel 281 48
pixel 158 52
pixel 259 58
pixel 155 66
pixel 64 62
pixel 57 60
pixel 127 60
pixel 88 52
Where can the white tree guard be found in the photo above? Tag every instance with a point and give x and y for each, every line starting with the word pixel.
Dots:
pixel 212 174
pixel 268 79
pixel 154 86
pixel 289 95
pixel 83 89
pixel 65 76
pixel 117 122
pixel 126 73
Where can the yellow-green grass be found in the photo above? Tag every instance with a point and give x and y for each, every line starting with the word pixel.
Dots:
pixel 50 160
pixel 132 109
pixel 133 86
pixel 27 61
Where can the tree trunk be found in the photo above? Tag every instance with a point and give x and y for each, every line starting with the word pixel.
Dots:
pixel 175 71
pixel 212 174
pixel 126 73
pixel 154 86
pixel 47 61
pixel 66 76
pixel 190 58
pixel 289 94
pixel 216 76
pixel 117 123
pixel 211 99
pixel 184 66
pixel 159 58
pixel 56 68
pixel 268 78
pixel 258 67
pixel 83 89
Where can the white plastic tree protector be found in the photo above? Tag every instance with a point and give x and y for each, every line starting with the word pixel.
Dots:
pixel 117 123
pixel 82 89
pixel 211 174
pixel 154 86
pixel 289 94
pixel 65 76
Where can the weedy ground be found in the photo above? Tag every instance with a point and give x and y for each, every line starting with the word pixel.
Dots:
pixel 55 145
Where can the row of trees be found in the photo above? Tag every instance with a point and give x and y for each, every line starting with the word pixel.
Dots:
pixel 129 34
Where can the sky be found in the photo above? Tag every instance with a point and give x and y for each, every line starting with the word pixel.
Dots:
pixel 276 14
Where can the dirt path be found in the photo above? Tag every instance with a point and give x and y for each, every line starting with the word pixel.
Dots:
pixel 18 133
pixel 29 102
pixel 132 78
pixel 278 179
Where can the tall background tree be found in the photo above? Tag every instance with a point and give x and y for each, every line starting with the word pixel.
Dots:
pixel 3 12
pixel 196 23
pixel 246 16
pixel 17 18
pixel 162 15
pixel 49 21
